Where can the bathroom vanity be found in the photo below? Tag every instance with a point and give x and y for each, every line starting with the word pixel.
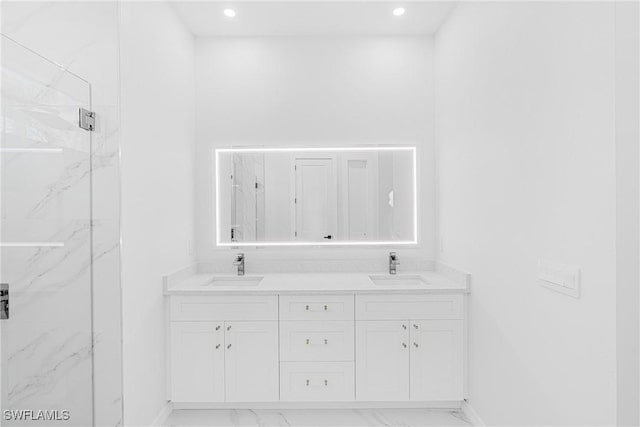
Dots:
pixel 334 338
pixel 345 337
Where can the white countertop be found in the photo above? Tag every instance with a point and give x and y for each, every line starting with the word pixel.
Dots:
pixel 320 283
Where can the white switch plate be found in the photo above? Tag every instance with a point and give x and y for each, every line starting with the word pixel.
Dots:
pixel 559 277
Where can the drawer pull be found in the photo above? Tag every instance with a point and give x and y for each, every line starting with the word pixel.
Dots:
pixel 404 345
pixel 415 344
pixel 229 328
pixel 415 326
pixel 308 383
pixel 308 341
pixel 229 346
pixel 218 328
pixel 317 308
pixel 217 346
pixel 404 327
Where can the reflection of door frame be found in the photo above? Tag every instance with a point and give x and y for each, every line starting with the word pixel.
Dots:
pixel 343 193
pixel 334 183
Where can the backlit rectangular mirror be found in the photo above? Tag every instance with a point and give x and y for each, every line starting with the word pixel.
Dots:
pixel 316 196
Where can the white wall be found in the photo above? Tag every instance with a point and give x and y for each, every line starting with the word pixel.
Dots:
pixel 527 171
pixel 157 90
pixel 628 216
pixel 279 91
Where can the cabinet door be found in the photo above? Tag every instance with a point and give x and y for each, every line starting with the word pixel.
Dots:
pixel 197 361
pixel 437 363
pixel 251 361
pixel 382 360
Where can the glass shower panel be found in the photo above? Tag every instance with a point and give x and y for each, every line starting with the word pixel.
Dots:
pixel 45 235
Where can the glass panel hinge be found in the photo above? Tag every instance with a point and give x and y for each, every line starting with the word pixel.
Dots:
pixel 87 119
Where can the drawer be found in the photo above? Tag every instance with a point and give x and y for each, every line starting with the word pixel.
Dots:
pixel 194 308
pixel 402 307
pixel 317 381
pixel 316 307
pixel 317 341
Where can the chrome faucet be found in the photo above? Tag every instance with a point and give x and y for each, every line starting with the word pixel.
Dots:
pixel 239 261
pixel 393 263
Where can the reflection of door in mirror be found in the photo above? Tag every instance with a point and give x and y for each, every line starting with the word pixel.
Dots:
pixel 358 196
pixel 315 199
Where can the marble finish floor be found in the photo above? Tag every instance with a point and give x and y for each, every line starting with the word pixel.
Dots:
pixel 315 417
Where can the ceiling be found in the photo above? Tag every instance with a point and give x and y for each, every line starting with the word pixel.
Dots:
pixel 283 18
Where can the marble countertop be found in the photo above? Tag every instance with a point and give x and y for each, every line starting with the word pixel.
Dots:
pixel 315 283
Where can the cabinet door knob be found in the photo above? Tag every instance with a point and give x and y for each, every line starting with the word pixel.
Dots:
pixel 229 328
pixel 306 307
pixel 326 382
pixel 415 326
pixel 217 346
pixel 326 308
pixel 229 346
pixel 307 340
pixel 218 328
pixel 404 326
pixel 415 344
pixel 307 382
pixel 404 345
pixel 326 341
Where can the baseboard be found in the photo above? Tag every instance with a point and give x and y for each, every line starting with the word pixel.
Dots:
pixel 445 405
pixel 163 415
pixel 471 414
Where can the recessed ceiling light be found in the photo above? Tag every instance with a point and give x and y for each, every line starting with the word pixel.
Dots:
pixel 398 11
pixel 230 13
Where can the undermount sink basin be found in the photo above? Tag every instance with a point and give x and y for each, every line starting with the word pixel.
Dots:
pixel 399 280
pixel 235 281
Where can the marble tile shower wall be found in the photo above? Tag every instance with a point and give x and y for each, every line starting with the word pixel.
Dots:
pixel 83 38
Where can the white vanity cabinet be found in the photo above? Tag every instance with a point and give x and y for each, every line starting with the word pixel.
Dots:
pixel 217 356
pixel 317 348
pixel 365 347
pixel 410 347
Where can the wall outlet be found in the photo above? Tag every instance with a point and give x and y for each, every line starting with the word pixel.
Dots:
pixel 559 277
